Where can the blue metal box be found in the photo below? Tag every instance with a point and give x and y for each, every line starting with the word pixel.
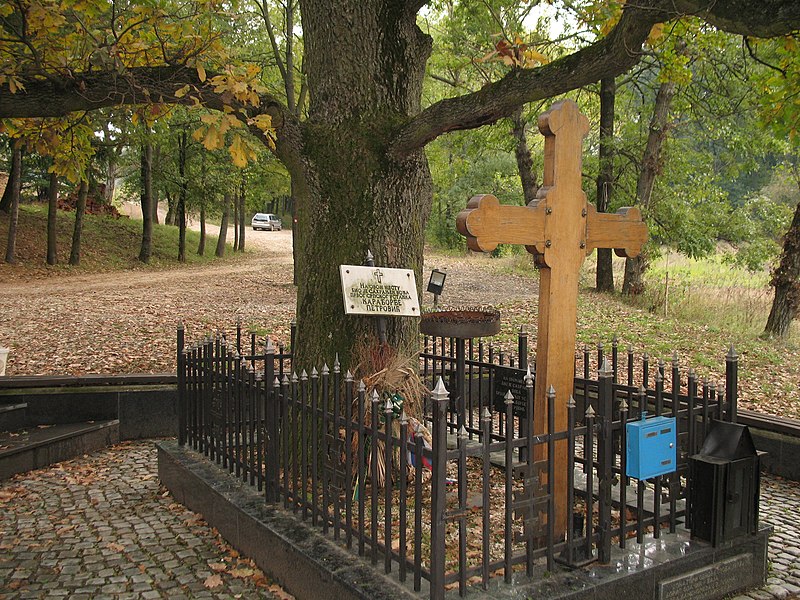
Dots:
pixel 652 447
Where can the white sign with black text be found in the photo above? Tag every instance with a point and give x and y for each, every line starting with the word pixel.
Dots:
pixel 379 291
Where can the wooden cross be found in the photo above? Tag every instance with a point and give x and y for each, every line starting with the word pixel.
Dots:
pixel 559 228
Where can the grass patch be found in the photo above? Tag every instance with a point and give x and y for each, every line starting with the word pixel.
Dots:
pixel 107 244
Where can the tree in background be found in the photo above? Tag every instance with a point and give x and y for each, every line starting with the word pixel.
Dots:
pixel 360 176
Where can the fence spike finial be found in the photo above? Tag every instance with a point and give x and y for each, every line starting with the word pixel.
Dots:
pixel 440 391
pixel 325 369
pixel 276 383
pixel 269 348
pixel 337 367
pixel 732 354
pixel 605 369
pixel 294 377
pixel 674 357
pixel 509 397
pixel 304 376
pixel 348 377
pixel 551 392
pixel 285 380
pixel 375 397
pixel 486 413
pixel 388 406
pixel 623 405
pixel 571 402
pixel 314 373
pixel 362 387
pixel 589 412
pixel 403 417
pixel 462 433
pixel 528 377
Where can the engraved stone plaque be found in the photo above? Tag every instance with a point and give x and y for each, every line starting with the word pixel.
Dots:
pixel 379 291
pixel 713 581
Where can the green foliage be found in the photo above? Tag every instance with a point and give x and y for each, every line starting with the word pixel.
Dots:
pixel 108 244
pixel 463 165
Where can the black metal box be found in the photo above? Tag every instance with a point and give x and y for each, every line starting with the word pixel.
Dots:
pixel 724 484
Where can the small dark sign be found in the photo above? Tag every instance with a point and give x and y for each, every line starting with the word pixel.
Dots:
pixel 510 379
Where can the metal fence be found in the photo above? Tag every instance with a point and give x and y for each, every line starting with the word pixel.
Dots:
pixel 425 498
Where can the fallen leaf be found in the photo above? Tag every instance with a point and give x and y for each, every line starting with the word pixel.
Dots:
pixel 242 572
pixel 213 581
pixel 218 567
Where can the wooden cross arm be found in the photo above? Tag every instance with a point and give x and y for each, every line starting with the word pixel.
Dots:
pixel 486 223
pixel 624 230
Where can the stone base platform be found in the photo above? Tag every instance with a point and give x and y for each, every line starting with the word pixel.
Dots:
pixel 310 565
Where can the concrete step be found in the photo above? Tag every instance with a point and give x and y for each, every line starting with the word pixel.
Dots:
pixel 38 446
pixel 13 416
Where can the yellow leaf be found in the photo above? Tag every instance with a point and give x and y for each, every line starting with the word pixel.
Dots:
pixel 242 572
pixel 182 92
pixel 201 72
pixel 656 33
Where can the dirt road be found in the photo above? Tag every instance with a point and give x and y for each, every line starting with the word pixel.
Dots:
pixel 125 322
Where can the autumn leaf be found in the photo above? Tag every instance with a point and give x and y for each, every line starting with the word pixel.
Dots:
pixel 218 567
pixel 242 572
pixel 213 581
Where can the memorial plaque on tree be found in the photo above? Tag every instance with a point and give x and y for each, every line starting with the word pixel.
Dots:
pixel 379 291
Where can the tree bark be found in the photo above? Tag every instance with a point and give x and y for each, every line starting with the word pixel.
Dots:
pixel 223 228
pixel 236 222
pixel 530 186
pixel 786 281
pixel 170 218
pixel 155 190
pixel 6 200
pixel 182 194
pixel 13 221
pixel 604 276
pixel 147 200
pixel 77 232
pixel 52 220
pixel 201 246
pixel 651 166
pixel 242 220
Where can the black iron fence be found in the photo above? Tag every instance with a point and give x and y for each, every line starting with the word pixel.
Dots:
pixel 464 491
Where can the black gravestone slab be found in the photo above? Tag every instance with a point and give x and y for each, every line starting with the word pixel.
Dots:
pixel 713 581
pixel 510 379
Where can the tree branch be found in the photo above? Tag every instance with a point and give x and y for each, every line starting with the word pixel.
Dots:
pixel 611 56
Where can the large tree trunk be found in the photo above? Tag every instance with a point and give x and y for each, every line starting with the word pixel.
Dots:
pixel 223 228
pixel 604 276
pixel 80 208
pixel 786 281
pixel 16 167
pixel 52 220
pixel 651 167
pixel 15 183
pixel 351 196
pixel 530 186
pixel 147 199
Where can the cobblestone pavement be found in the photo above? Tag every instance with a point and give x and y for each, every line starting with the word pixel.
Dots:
pixel 780 507
pixel 102 527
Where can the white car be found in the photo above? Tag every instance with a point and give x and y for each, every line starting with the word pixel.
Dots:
pixel 266 221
